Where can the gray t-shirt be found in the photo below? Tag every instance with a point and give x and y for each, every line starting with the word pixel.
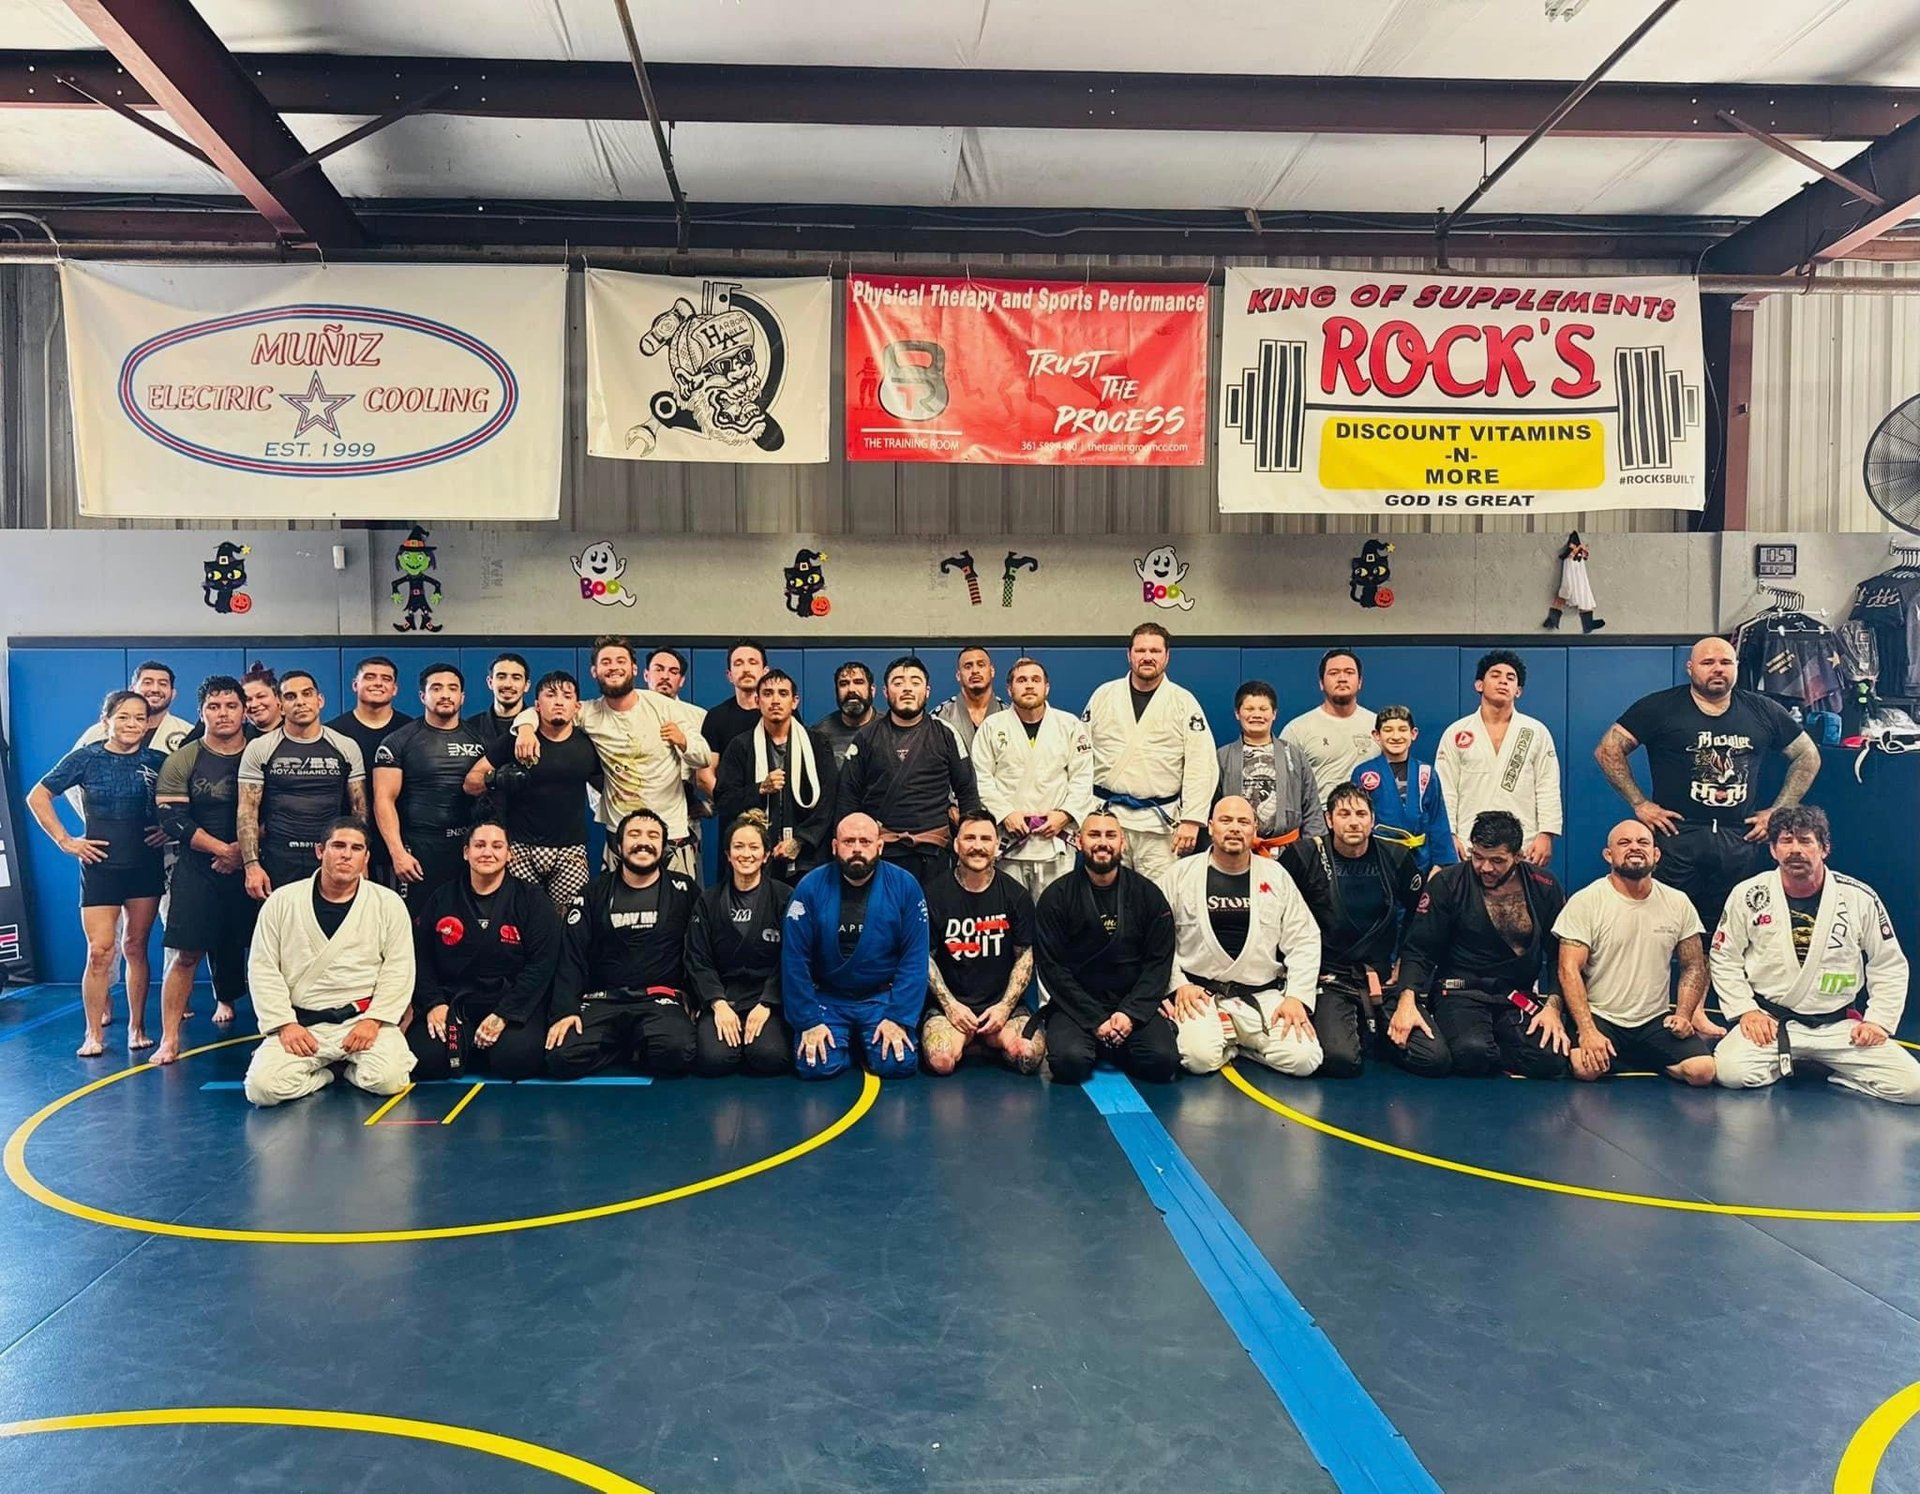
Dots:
pixel 1332 745
pixel 1630 943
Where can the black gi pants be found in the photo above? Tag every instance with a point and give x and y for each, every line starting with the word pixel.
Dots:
pixel 520 1052
pixel 1341 1022
pixel 654 1032
pixel 919 861
pixel 1705 861
pixel 1151 1051
pixel 441 857
pixel 771 1052
pixel 1474 1036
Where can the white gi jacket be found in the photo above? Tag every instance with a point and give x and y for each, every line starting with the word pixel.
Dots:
pixel 1168 753
pixel 1523 778
pixel 1283 941
pixel 641 770
pixel 293 963
pixel 1018 777
pixel 1753 952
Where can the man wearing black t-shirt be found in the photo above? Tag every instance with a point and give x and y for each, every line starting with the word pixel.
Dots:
pixel 1705 742
pixel 293 784
pixel 545 805
pixel 746 662
pixel 620 994
pixel 853 709
pixel 419 796
pixel 980 921
pixel 376 680
pixel 507 680
pixel 904 769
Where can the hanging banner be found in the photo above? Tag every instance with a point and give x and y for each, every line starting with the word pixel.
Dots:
pixel 1050 372
pixel 282 392
pixel 709 369
pixel 1388 393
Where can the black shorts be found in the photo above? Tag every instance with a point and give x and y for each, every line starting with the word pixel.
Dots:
pixel 208 910
pixel 111 886
pixel 1649 1045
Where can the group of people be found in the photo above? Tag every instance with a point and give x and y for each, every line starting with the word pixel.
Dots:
pixel 995 878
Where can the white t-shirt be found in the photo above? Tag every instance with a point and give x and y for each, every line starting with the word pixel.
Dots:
pixel 1332 745
pixel 1630 944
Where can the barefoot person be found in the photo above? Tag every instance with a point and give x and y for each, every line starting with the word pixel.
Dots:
pixel 980 921
pixel 119 851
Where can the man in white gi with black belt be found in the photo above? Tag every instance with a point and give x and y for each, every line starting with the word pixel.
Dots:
pixel 1242 933
pixel 1795 951
pixel 1034 765
pixel 1154 762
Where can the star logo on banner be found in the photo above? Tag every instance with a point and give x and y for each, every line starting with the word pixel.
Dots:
pixel 323 417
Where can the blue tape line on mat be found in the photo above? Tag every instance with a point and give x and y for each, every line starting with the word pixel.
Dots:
pixel 1337 1419
pixel 624 1081
pixel 58 1014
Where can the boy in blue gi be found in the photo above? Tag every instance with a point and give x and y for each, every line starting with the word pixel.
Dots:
pixel 1407 805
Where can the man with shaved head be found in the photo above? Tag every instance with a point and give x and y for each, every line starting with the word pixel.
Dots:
pixel 853 960
pixel 1706 742
pixel 1617 938
pixel 1246 968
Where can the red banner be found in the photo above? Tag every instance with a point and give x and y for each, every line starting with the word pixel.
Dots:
pixel 1023 372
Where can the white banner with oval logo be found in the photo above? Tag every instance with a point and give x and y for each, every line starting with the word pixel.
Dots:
pixel 353 391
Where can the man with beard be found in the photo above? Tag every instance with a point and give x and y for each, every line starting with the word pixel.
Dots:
pixel 1154 762
pixel 545 806
pixel 1336 736
pixel 853 709
pixel 1241 931
pixel 981 923
pixel 643 748
pixel 293 782
pixel 507 678
pixel 1794 950
pixel 1269 774
pixel 1618 937
pixel 376 681
pixel 903 770
pixel 1104 941
pixel 746 662
pixel 772 769
pixel 211 914
pixel 1361 890
pixel 976 700
pixel 485 948
pixel 1480 944
pixel 1705 741
pixel 1035 769
pixel 153 682
pixel 419 787
pixel 620 993
pixel 853 959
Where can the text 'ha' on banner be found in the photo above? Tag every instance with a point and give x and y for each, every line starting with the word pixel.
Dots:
pixel 293 392
pixel 708 369
pixel 1097 374
pixel 1380 393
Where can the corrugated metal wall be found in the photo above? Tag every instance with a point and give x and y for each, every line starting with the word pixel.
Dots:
pixel 835 498
pixel 1826 370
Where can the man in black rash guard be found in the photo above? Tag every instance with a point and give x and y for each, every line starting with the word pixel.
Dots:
pixel 904 769
pixel 485 948
pixel 980 921
pixel 1480 944
pixel 420 801
pixel 1103 937
pixel 376 681
pixel 733 961
pixel 507 679
pixel 774 769
pixel 746 662
pixel 853 709
pixel 545 805
pixel 620 992
pixel 293 783
pixel 199 798
pixel 1361 892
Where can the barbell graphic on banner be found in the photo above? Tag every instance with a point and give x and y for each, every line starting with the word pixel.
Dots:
pixel 1268 406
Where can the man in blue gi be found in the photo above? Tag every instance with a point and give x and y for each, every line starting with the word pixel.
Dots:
pixel 853 964
pixel 1408 807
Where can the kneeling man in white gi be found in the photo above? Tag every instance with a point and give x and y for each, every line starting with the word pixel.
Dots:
pixel 1788 961
pixel 332 973
pixel 1241 931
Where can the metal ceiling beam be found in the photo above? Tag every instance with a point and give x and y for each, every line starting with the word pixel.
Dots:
pixel 691 93
pixel 182 67
pixel 1825 221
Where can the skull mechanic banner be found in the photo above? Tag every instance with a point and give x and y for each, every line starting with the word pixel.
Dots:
pixel 713 369
pixel 281 392
pixel 1384 393
pixel 1058 373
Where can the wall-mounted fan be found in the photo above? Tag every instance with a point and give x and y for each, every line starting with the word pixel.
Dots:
pixel 1892 466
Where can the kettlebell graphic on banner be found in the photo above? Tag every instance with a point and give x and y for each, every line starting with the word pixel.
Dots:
pixel 913 380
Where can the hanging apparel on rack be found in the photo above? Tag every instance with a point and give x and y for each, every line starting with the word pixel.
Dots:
pixel 1793 658
pixel 1889 603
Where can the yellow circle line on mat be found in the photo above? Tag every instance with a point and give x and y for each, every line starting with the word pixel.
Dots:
pixel 1572 1190
pixel 1860 1463
pixel 559 1464
pixel 27 1183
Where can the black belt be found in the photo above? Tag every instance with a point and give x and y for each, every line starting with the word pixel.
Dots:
pixel 1226 990
pixel 308 1016
pixel 1782 1015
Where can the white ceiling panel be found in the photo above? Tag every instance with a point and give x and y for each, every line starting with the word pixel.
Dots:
pixel 90 150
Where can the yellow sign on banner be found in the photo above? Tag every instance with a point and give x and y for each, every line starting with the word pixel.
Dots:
pixel 1399 454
